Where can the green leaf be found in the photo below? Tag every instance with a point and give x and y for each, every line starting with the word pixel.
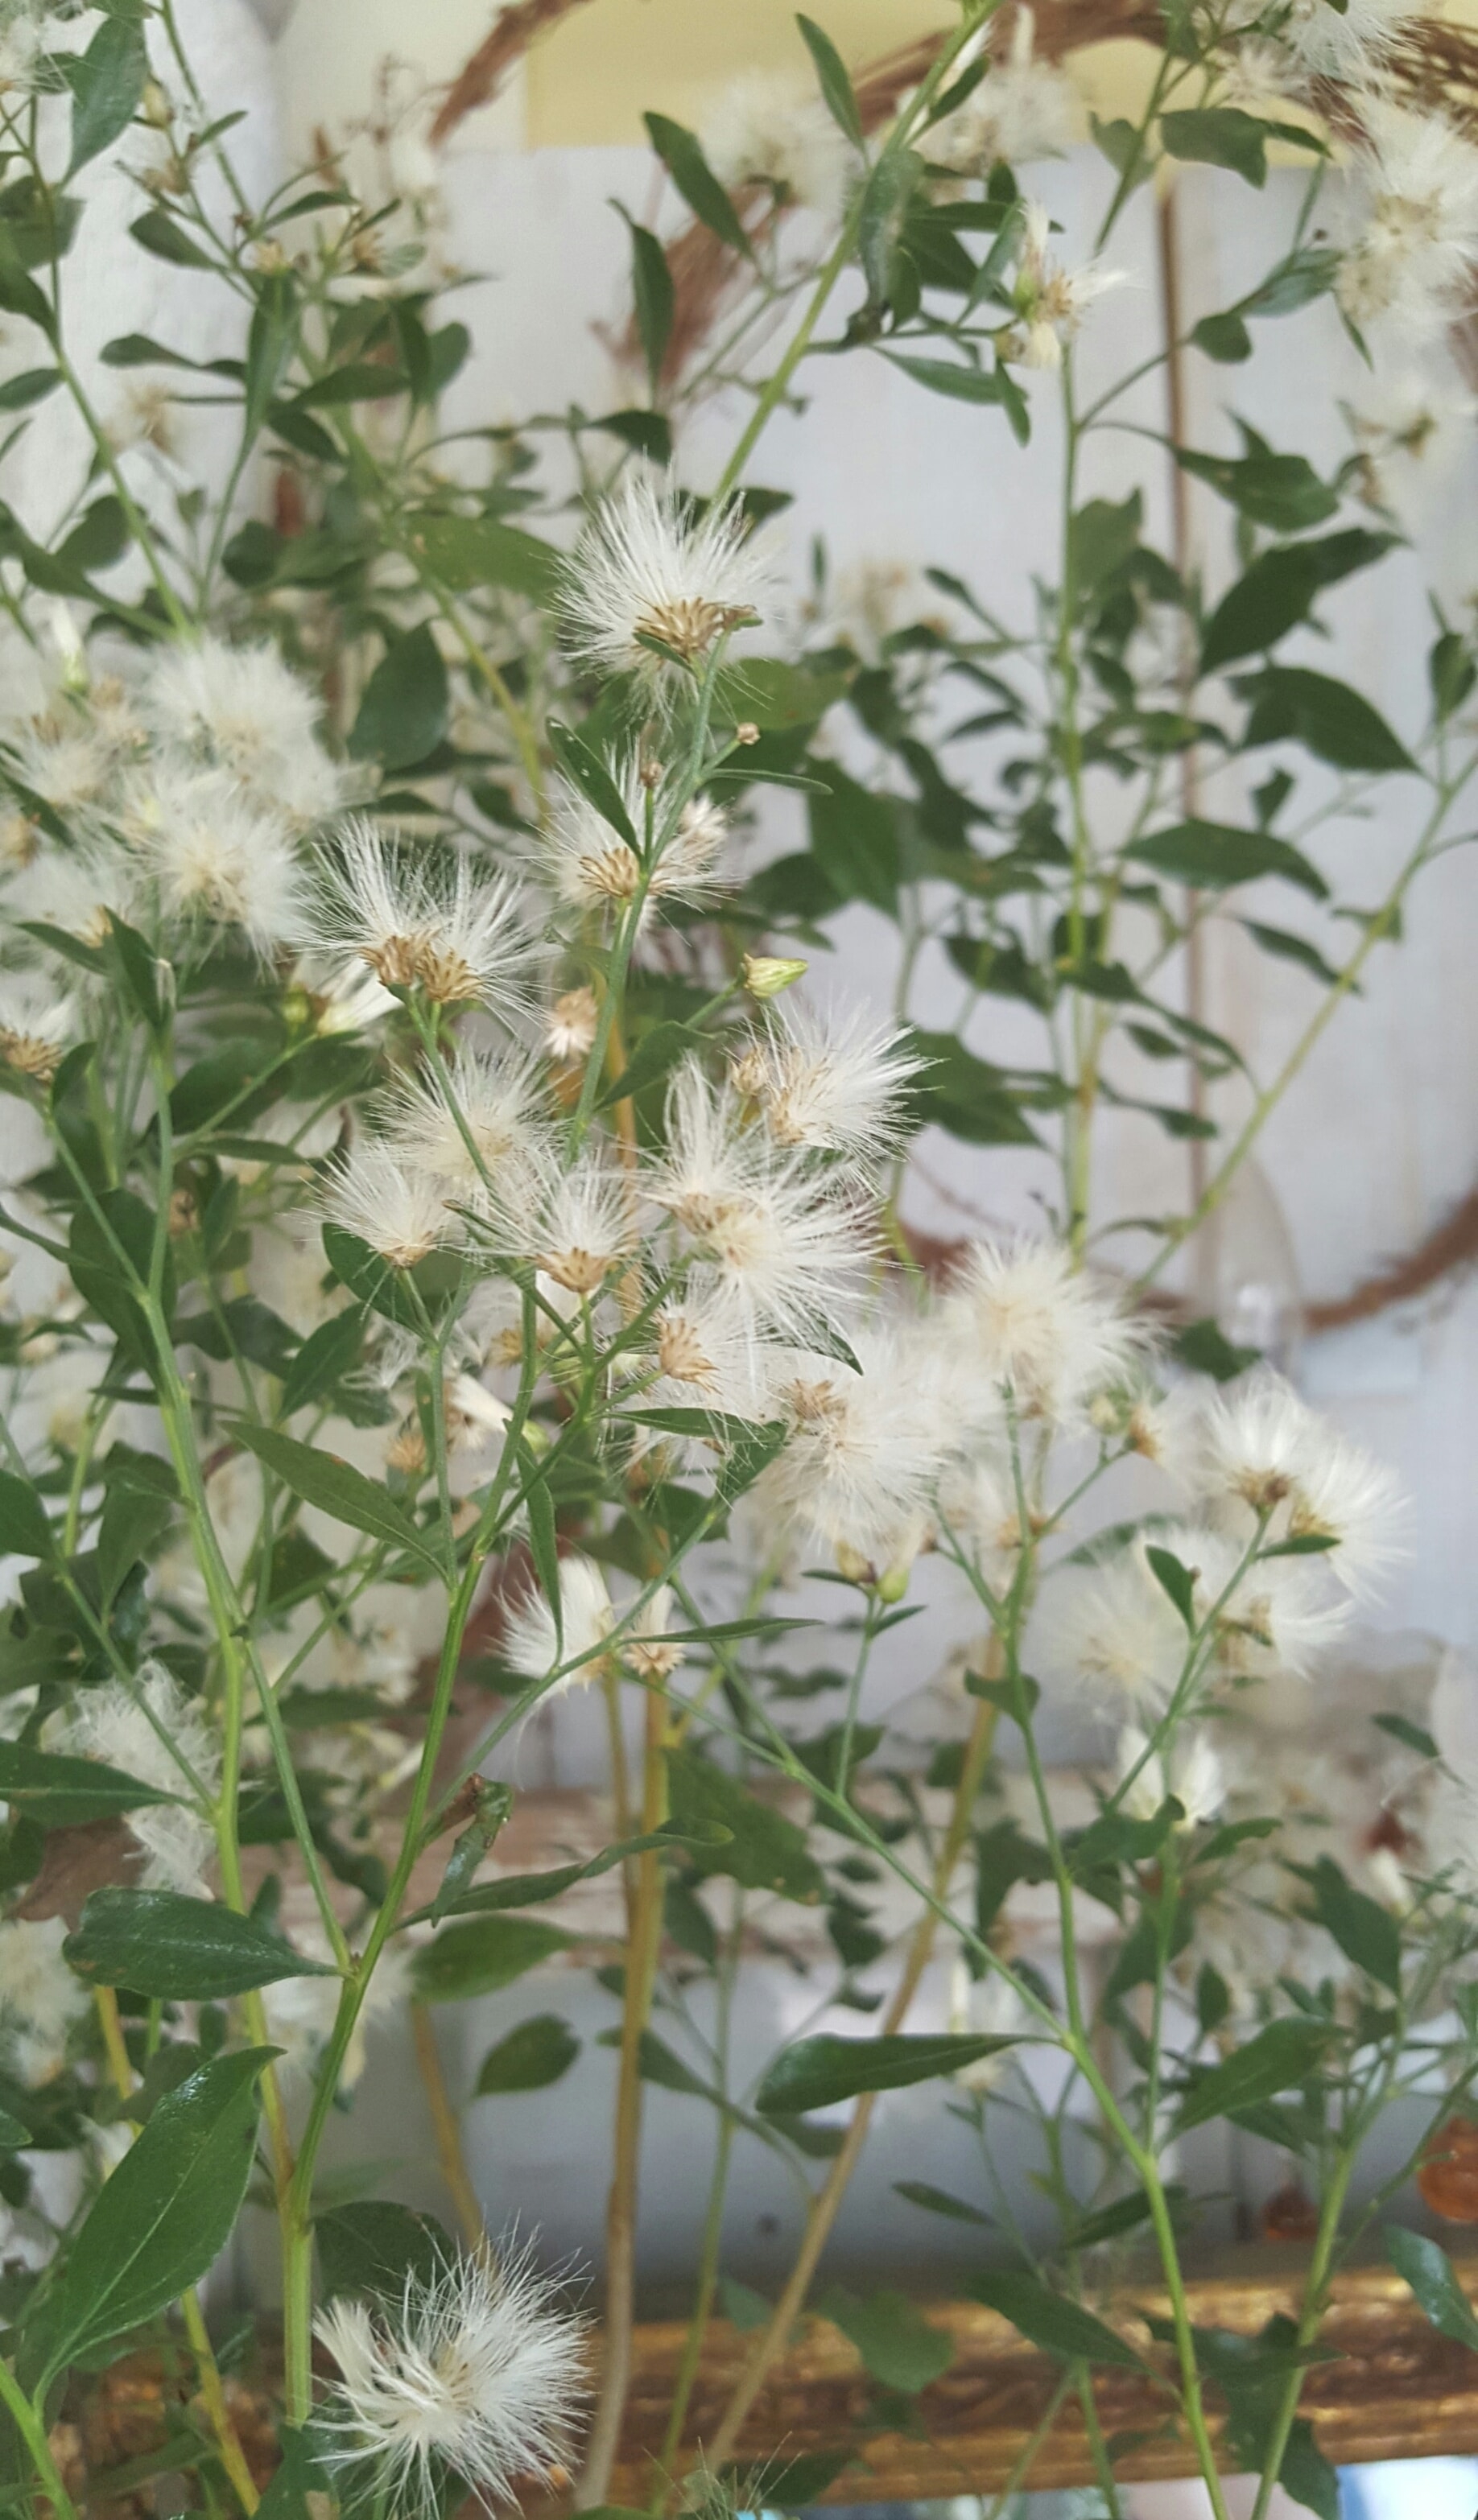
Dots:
pixel 1366 1933
pixel 1285 947
pixel 160 2218
pixel 1175 1581
pixel 532 1889
pixel 937 2200
pixel 360 380
pixel 961 1093
pixel 763 1849
pixel 62 1792
pixel 854 839
pixel 106 83
pixel 1282 491
pixel 1278 2058
pixel 478 1959
pixel 654 295
pixel 1223 338
pixel 160 234
pixel 32 385
pixel 271 339
pixel 1414 1736
pixel 1205 1348
pixel 1451 669
pixel 1049 2322
pixel 1306 2475
pixel 836 85
pixel 1278 592
pixel 744 2309
pixel 24 1531
pixel 375 1282
pixel 1333 721
pixel 682 155
pixel 582 764
pixel 818 2071
pixel 1429 2273
pixel 531 2057
pixel 336 1488
pixel 897 2343
pixel 20 295
pixel 775 696
pixel 1212 857
pixel 463 552
pixel 1219 135
pixel 948 377
pixel 186 1951
pixel 370 2248
pixel 403 714
pixel 134 1518
pixel 326 1355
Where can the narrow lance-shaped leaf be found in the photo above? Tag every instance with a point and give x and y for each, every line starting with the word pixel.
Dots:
pixel 336 1488
pixel 817 2072
pixel 1433 2280
pixel 680 153
pixel 160 2218
pixel 836 85
pixel 1280 2056
pixel 162 1943
pixel 64 1792
pixel 1046 2319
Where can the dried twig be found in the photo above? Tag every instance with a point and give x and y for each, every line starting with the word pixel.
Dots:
pixel 482 74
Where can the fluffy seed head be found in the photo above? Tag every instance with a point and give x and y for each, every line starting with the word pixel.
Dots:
pixel 833 1080
pixel 243 711
pixel 1023 108
pixel 499 1098
pixel 1028 1320
pixel 164 1738
pixel 419 924
pixel 768 130
pixel 763 1232
pixel 397 1206
pixel 530 1645
pixel 36 1028
pixel 1412 252
pixel 215 854
pixel 645 570
pixel 476 2371
pixel 40 2000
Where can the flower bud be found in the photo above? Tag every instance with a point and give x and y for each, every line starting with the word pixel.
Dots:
pixel 764 975
pixel 746 731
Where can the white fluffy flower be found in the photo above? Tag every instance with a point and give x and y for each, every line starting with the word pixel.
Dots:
pixel 37 1026
pixel 1411 430
pixel 831 1080
pixel 579 1226
pixel 1114 1628
pixel 243 711
pixel 645 1646
pixel 1262 1450
pixel 989 2007
pixel 419 920
pixel 645 570
pixel 1024 1318
pixel 499 1098
pixel 41 2003
pixel 705 1357
pixel 1193 1773
pixel 394 1205
pixel 530 1645
pixel 476 2369
pixel 1412 252
pixel 865 1449
pixel 78 890
pixel 761 1229
pixel 1023 108
pixel 590 867
pixel 165 1740
pixel 215 854
pixel 1050 301
pixel 1344 43
pixel 768 129
pixel 570 1032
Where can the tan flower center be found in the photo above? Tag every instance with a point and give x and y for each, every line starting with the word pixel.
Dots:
pixel 616 873
pixel 582 1272
pixel 33 1056
pixel 681 1354
pixel 690 625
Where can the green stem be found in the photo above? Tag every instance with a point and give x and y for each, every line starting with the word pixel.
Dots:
pixel 1314 2291
pixel 1380 924
pixel 32 2430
